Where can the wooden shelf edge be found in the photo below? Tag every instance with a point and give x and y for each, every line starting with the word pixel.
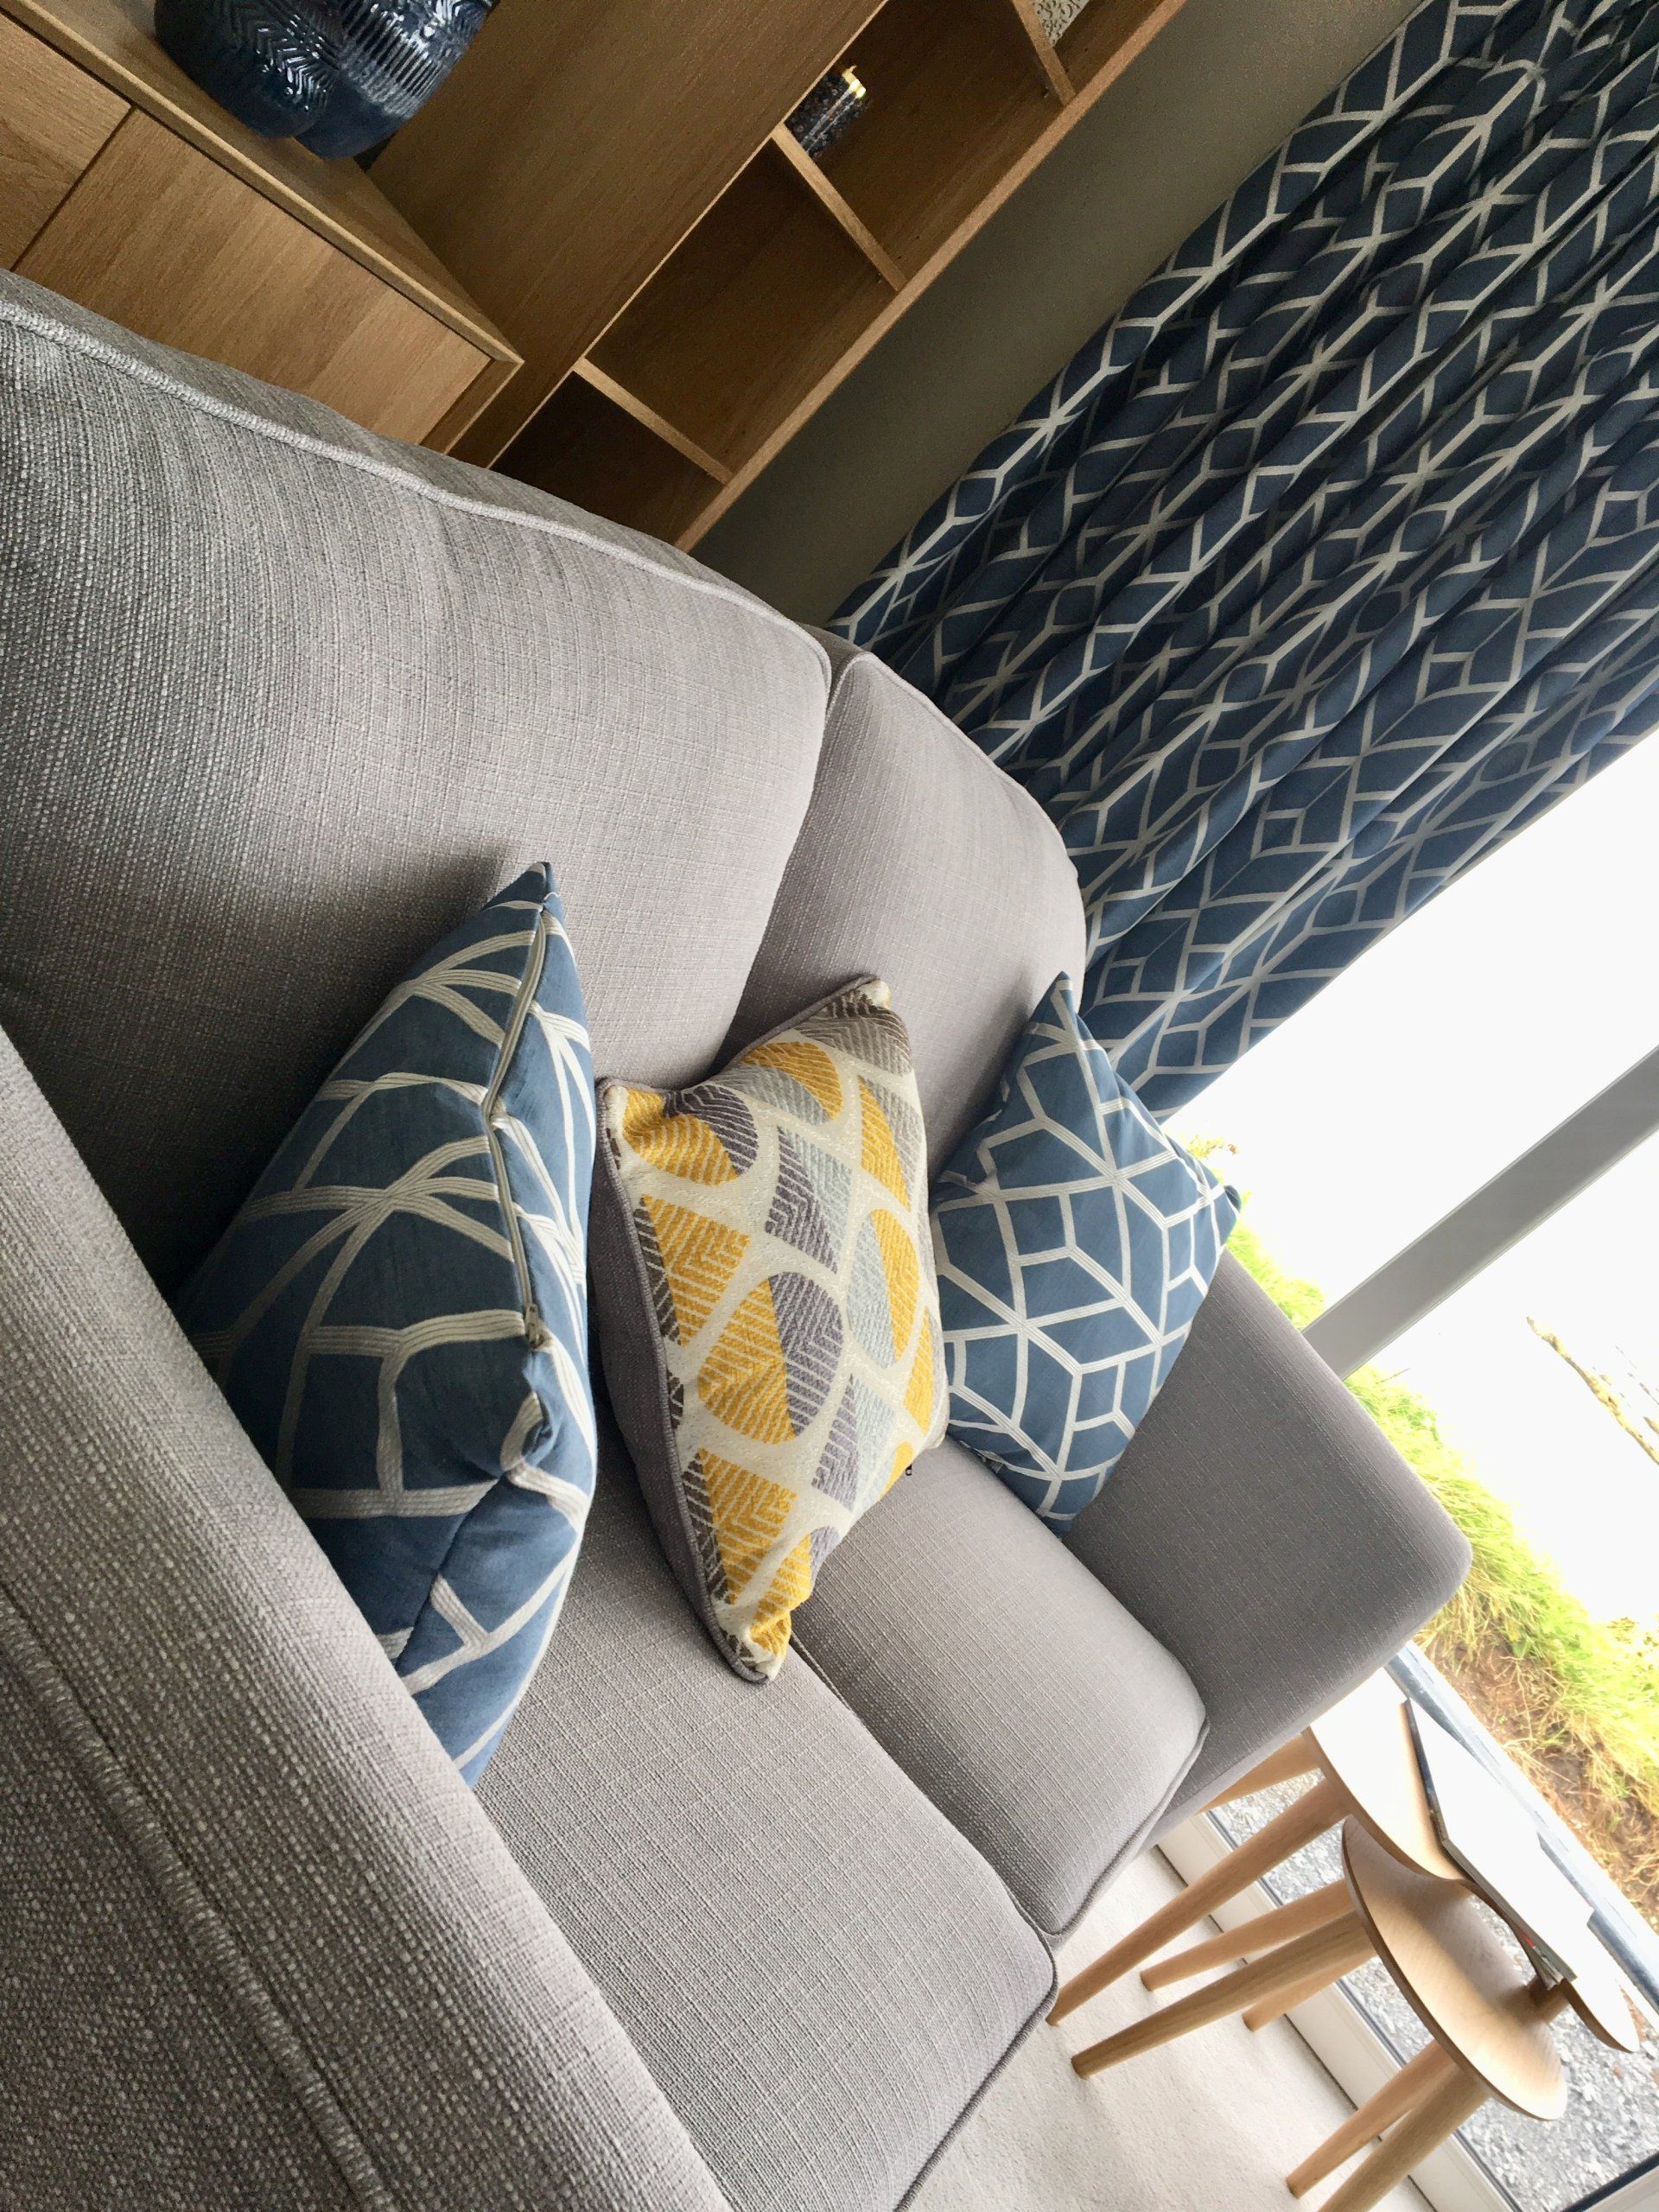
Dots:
pixel 109 40
pixel 1141 20
pixel 840 209
pixel 717 471
pixel 1055 72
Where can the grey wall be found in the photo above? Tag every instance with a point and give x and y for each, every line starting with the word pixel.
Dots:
pixel 1216 91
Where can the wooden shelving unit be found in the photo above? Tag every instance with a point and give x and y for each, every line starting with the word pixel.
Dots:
pixel 688 285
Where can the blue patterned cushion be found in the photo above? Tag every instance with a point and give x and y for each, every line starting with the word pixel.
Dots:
pixel 1074 1243
pixel 399 1314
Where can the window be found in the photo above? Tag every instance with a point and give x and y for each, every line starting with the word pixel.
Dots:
pixel 1529 1398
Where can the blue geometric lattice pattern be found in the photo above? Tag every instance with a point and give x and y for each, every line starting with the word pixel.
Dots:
pixel 1074 1243
pixel 399 1314
pixel 1334 560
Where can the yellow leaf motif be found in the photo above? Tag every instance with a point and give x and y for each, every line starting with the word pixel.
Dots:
pixel 748 1513
pixel 743 1380
pixel 700 1257
pixel 792 1583
pixel 903 1270
pixel 922 1394
pixel 678 1144
pixel 810 1065
pixel 879 1151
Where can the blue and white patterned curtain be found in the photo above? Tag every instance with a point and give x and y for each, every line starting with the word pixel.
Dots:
pixel 1334 560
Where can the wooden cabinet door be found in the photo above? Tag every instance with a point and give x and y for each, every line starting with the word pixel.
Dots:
pixel 54 117
pixel 159 238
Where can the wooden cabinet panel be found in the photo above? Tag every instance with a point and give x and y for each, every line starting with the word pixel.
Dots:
pixel 54 118
pixel 158 237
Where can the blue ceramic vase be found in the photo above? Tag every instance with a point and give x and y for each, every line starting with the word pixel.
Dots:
pixel 339 75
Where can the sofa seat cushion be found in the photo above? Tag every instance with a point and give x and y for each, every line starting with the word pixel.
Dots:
pixel 282 703
pixel 819 1972
pixel 1036 1712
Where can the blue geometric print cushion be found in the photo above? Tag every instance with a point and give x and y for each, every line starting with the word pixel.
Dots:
pixel 399 1313
pixel 1074 1243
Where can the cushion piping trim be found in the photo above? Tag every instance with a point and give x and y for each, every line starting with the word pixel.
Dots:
pixel 1018 2042
pixel 1119 1858
pixel 862 981
pixel 130 1815
pixel 79 341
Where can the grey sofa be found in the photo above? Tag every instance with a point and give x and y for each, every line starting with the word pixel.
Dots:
pixel 279 702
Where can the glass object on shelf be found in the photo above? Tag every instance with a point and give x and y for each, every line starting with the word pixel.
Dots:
pixel 833 103
pixel 339 75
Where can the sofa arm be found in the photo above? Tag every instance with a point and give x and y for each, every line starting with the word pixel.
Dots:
pixel 258 1946
pixel 1266 1531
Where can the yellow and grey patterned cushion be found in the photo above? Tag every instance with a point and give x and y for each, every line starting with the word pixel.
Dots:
pixel 766 1305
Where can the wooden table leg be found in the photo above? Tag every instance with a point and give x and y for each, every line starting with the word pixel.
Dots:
pixel 1430 2068
pixel 1268 1929
pixel 1424 2128
pixel 1344 1939
pixel 1275 2008
pixel 1315 1810
pixel 1298 1756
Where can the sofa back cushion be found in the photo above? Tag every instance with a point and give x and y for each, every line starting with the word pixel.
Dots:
pixel 922 863
pixel 282 703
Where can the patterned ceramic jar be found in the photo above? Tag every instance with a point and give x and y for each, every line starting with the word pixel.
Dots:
pixel 340 75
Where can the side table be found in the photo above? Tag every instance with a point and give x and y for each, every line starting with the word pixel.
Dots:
pixel 1417 1872
pixel 1488 2017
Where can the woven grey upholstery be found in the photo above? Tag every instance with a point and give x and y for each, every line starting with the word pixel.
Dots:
pixel 919 862
pixel 282 702
pixel 259 1947
pixel 1264 1528
pixel 817 1969
pixel 1034 1710
pixel 279 702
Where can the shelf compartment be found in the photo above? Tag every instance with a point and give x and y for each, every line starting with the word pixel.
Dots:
pixel 658 425
pixel 957 99
pixel 836 207
pixel 606 451
pixel 747 314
